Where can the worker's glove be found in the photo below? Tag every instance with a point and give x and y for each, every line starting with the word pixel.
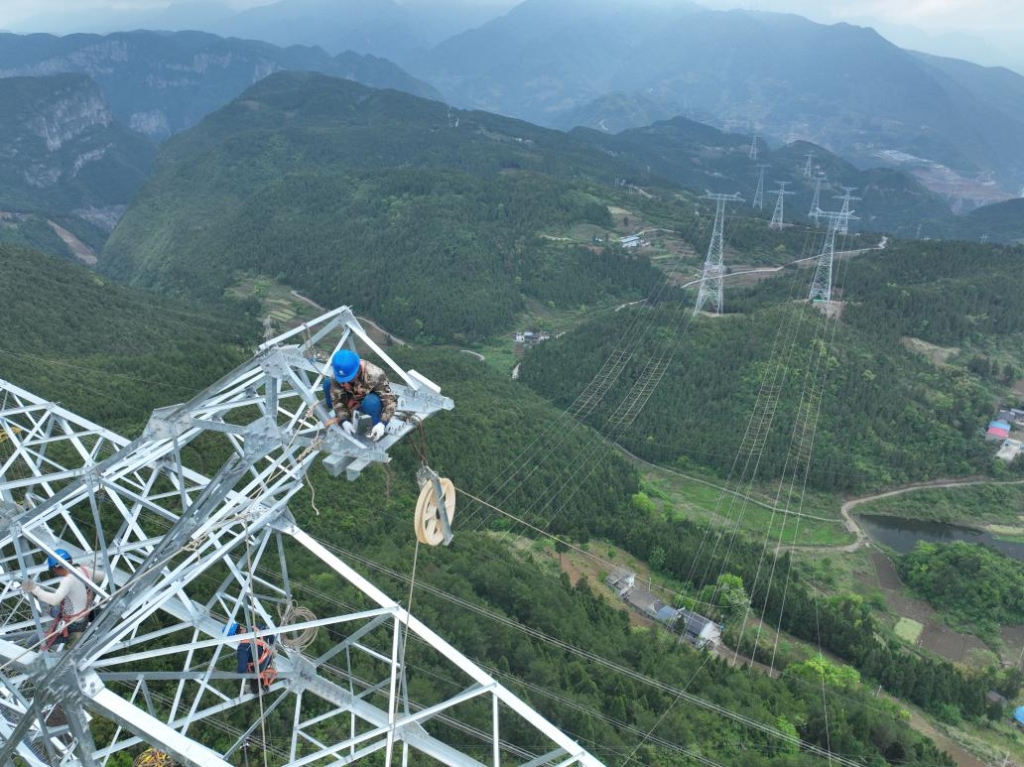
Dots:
pixel 394 426
pixel 349 427
pixel 28 586
pixel 377 431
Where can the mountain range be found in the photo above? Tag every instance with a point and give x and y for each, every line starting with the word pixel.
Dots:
pixel 382 27
pixel 161 83
pixel 376 198
pixel 840 86
pixel 561 63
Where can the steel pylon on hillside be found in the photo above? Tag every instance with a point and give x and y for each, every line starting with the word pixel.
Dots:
pixel 185 554
pixel 778 215
pixel 821 285
pixel 759 192
pixel 845 211
pixel 809 165
pixel 816 201
pixel 714 267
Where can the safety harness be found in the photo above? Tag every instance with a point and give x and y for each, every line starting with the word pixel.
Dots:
pixel 63 624
pixel 263 664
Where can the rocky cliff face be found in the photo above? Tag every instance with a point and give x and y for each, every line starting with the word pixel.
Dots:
pixel 67 118
pixel 62 153
pixel 54 114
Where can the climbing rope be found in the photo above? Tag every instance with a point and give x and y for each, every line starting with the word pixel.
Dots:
pixel 290 613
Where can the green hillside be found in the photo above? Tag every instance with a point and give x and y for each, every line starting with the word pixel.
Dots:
pixel 999 222
pixel 888 415
pixel 129 351
pixel 108 352
pixel 700 157
pixel 377 199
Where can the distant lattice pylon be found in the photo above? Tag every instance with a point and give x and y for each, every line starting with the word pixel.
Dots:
pixel 816 202
pixel 778 217
pixel 753 148
pixel 809 165
pixel 845 211
pixel 759 194
pixel 714 267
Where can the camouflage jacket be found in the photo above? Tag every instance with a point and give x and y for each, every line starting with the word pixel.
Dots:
pixel 347 397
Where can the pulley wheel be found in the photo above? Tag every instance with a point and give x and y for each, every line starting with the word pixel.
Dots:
pixel 429 529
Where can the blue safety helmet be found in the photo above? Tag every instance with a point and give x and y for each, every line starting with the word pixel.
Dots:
pixel 53 562
pixel 346 365
pixel 231 629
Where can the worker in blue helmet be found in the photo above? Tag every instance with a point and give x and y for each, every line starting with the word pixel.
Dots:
pixel 70 603
pixel 255 656
pixel 358 386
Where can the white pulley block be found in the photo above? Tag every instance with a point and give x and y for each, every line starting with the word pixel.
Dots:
pixel 432 528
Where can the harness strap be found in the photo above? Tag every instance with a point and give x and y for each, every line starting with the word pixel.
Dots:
pixel 69 620
pixel 266 675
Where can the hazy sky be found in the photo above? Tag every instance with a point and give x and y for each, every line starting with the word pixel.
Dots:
pixel 936 15
pixel 930 15
pixel 985 31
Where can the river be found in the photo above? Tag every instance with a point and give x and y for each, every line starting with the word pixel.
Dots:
pixel 902 534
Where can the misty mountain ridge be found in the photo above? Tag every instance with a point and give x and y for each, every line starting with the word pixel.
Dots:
pixel 614 65
pixel 839 86
pixel 381 27
pixel 159 83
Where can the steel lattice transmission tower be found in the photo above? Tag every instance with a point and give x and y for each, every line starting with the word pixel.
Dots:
pixel 184 554
pixel 753 148
pixel 821 285
pixel 845 211
pixel 778 217
pixel 714 267
pixel 759 193
pixel 809 165
pixel 816 202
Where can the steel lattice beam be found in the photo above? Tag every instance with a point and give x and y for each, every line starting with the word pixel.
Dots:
pixel 183 554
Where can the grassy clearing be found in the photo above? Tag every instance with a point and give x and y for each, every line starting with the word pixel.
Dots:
pixel 992 503
pixel 277 301
pixel 688 497
pixel 846 572
pixel 499 352
pixel 908 630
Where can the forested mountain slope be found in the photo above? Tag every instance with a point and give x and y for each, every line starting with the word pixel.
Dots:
pixel 1001 221
pixel 888 416
pixel 700 157
pixel 106 351
pixel 159 83
pixel 64 158
pixel 378 199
